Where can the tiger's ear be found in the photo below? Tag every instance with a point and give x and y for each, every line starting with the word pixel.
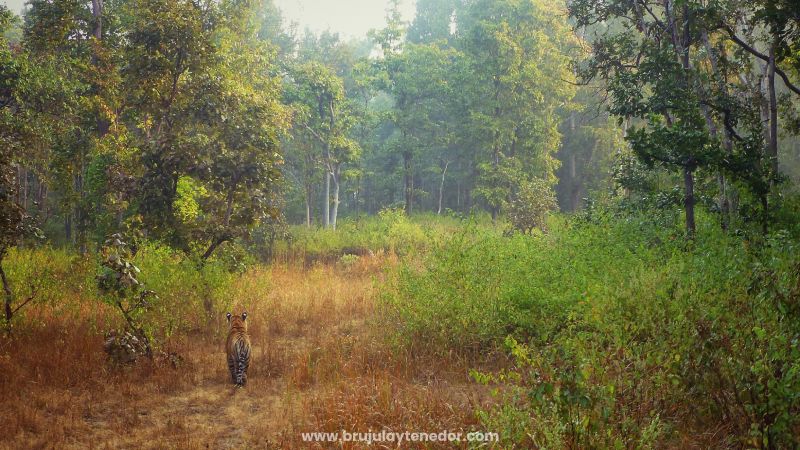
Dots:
pixel 244 316
pixel 229 316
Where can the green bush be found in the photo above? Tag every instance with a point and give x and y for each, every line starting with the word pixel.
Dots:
pixel 65 283
pixel 51 277
pixel 188 291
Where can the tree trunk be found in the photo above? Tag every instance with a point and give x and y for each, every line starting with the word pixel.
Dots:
pixel 81 224
pixel 356 198
pixel 458 195
pixel 441 187
pixel 681 40
pixel 724 200
pixel 229 204
pixel 68 227
pixel 211 248
pixel 8 296
pixel 496 143
pixel 97 13
pixel 408 182
pixel 773 114
pixel 335 212
pixel 308 206
pixel 575 185
pixel 763 102
pixel 688 202
pixel 24 181
pixel 326 206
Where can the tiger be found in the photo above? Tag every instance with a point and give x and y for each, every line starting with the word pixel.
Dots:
pixel 238 349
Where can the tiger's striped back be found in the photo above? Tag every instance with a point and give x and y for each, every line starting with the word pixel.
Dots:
pixel 238 349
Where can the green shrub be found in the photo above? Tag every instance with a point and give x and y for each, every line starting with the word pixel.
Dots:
pixel 51 277
pixel 479 287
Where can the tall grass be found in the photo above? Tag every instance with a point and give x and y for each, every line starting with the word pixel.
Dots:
pixel 320 363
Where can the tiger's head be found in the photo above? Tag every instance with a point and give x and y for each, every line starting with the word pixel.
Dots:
pixel 238 322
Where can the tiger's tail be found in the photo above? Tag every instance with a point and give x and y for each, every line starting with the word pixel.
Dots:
pixel 242 356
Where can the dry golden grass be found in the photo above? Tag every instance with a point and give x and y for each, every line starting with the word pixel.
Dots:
pixel 321 363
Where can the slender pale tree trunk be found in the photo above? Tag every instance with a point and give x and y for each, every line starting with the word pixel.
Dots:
pixel 496 144
pixel 574 182
pixel 441 187
pixel 408 181
pixel 724 200
pixel 458 195
pixel 575 185
pixel 308 207
pixel 356 197
pixel 335 210
pixel 681 39
pixel 326 206
pixel 772 146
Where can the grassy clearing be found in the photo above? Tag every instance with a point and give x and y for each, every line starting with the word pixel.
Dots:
pixel 321 363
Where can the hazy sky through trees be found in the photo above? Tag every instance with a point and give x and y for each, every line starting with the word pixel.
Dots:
pixel 351 18
pixel 14 5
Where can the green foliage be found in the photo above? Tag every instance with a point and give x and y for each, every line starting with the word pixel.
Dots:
pixel 530 205
pixel 187 290
pixel 392 231
pixel 614 326
pixel 323 122
pixel 118 282
pixel 502 40
pixel 695 93
pixel 184 287
pixel 186 205
pixel 48 276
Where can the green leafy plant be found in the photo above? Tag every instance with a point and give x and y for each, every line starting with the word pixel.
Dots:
pixel 529 206
pixel 118 281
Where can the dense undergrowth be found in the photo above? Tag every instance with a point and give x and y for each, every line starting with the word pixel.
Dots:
pixel 624 334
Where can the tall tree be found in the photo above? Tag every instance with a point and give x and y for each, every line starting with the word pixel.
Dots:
pixel 237 139
pixel 434 21
pixel 654 59
pixel 169 49
pixel 322 111
pixel 419 81
pixel 516 87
